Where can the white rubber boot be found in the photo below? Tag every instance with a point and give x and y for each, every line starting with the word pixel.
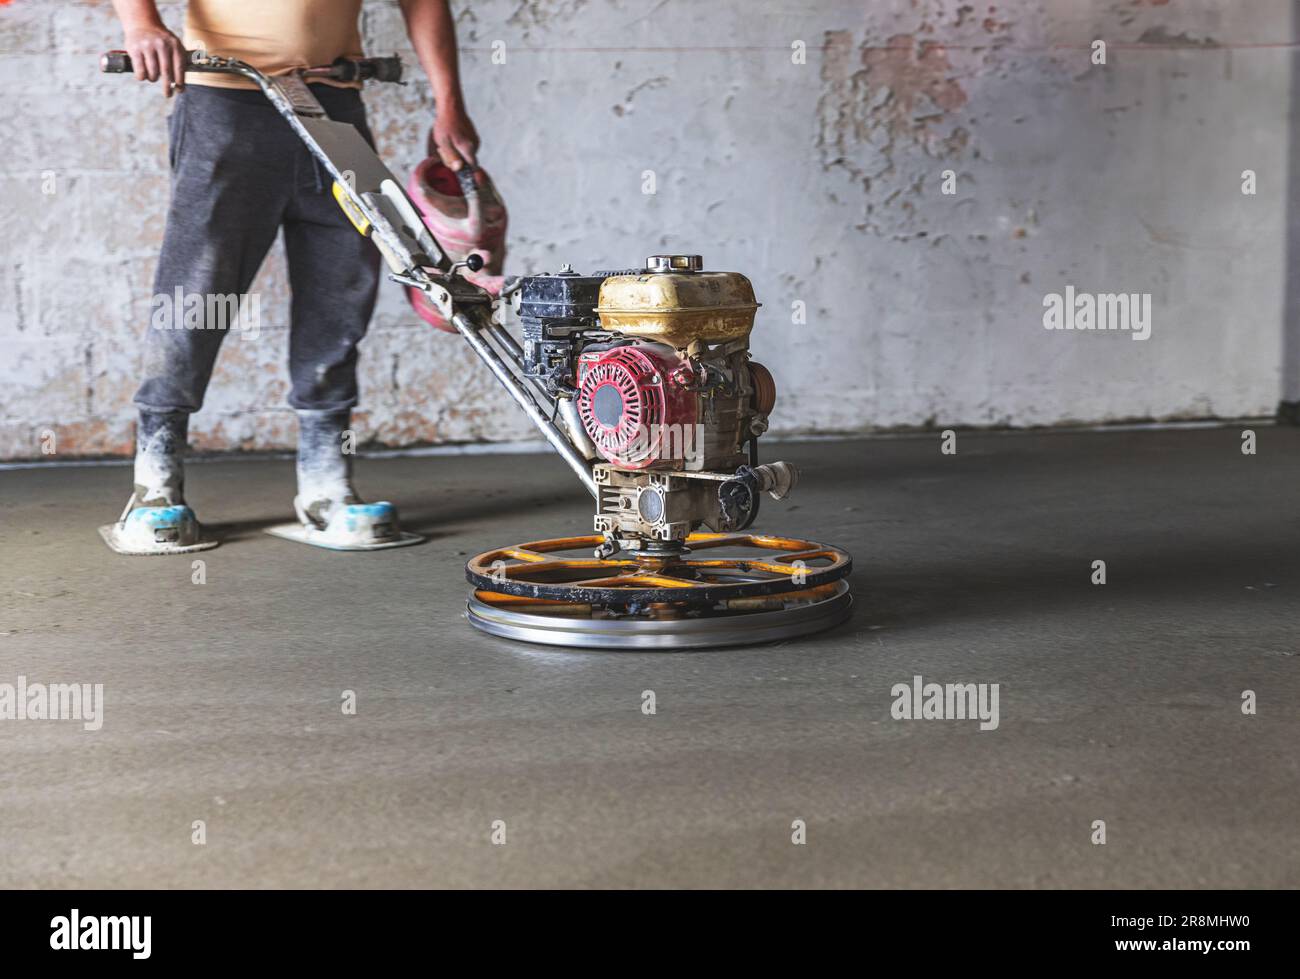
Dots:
pixel 330 513
pixel 156 519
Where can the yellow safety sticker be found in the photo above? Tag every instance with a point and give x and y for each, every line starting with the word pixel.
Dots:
pixel 349 206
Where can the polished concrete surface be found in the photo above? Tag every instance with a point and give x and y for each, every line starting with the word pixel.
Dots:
pixel 1118 702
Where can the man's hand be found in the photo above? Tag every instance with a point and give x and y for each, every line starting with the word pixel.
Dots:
pixel 156 53
pixel 453 137
pixel 433 35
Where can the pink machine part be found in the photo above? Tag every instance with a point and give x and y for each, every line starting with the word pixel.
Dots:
pixel 466 215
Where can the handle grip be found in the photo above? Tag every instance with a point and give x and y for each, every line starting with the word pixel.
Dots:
pixel 119 62
pixel 385 69
pixel 115 63
pixel 465 175
pixel 360 70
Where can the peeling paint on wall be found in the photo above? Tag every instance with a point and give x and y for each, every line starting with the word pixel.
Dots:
pixel 876 96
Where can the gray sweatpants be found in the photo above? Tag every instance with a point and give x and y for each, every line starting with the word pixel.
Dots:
pixel 239 175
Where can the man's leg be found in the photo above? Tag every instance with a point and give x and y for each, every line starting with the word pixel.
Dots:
pixel 232 176
pixel 334 272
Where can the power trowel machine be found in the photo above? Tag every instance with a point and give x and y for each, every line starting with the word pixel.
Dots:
pixel 641 379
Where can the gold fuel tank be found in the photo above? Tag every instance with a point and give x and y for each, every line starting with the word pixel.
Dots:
pixel 674 302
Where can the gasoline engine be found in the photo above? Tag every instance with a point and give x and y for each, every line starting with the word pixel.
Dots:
pixel 651 373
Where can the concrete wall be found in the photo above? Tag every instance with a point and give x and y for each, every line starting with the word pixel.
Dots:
pixel 821 180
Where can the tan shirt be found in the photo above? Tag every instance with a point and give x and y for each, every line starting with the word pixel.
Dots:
pixel 274 36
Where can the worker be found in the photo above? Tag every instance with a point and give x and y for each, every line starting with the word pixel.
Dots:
pixel 240 174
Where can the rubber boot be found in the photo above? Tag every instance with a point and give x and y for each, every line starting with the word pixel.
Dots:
pixel 160 443
pixel 324 468
pixel 156 519
pixel 330 512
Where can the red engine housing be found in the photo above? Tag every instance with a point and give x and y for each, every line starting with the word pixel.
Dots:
pixel 628 399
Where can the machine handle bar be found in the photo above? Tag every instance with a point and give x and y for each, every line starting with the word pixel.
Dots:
pixel 343 69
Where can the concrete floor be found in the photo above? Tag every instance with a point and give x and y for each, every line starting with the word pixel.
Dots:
pixel 1118 702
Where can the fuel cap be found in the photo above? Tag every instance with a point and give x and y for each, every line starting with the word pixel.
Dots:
pixel 674 263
